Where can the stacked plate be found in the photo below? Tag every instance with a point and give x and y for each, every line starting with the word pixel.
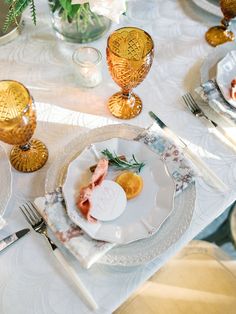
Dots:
pixel 220 66
pixel 151 222
pixel 211 6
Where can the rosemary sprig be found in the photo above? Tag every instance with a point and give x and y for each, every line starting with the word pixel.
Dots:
pixel 121 164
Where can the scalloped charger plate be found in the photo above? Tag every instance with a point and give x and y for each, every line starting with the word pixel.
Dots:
pixel 138 252
pixel 143 215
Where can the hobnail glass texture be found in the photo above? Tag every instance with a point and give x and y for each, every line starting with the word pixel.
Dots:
pixel 219 35
pixel 17 125
pixel 130 54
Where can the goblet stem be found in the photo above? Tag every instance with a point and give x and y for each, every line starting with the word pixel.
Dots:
pixel 25 147
pixel 226 22
pixel 126 94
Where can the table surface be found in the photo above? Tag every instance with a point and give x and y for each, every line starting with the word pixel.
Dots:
pixel 31 281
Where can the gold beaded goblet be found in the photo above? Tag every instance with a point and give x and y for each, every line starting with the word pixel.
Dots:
pixel 130 52
pixel 218 35
pixel 17 125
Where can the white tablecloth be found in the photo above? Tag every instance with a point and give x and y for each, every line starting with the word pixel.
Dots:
pixel 30 279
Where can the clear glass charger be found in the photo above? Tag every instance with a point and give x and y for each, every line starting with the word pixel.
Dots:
pixel 138 252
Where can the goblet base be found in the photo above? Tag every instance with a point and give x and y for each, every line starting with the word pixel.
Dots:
pixel 218 35
pixel 125 107
pixel 30 157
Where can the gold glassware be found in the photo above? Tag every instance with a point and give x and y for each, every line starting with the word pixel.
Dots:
pixel 218 35
pixel 130 54
pixel 17 125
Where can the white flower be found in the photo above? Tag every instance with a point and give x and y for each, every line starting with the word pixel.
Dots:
pixel 109 8
pixel 112 9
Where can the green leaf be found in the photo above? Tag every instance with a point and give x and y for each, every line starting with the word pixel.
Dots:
pixel 33 11
pixel 74 9
pixel 66 4
pixel 16 8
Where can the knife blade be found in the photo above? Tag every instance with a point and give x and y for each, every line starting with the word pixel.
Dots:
pixel 208 174
pixel 12 238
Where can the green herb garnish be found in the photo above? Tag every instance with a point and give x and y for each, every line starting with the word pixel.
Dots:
pixel 121 164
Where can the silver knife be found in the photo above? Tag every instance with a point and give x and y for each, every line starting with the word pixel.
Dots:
pixel 12 238
pixel 208 174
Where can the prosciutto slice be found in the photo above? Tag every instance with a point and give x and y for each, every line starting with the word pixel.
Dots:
pixel 84 200
pixel 233 89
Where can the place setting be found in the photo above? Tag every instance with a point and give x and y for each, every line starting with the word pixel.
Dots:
pixel 217 94
pixel 111 191
pixel 217 77
pixel 118 196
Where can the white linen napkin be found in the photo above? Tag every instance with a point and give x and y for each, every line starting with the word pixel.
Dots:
pixel 84 248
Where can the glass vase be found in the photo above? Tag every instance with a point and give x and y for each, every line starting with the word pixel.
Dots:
pixel 84 27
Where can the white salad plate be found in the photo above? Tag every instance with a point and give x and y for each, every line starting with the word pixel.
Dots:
pixel 6 182
pixel 226 72
pixel 144 214
pixel 138 252
pixel 211 6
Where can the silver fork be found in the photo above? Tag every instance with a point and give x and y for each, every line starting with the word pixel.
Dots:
pixel 216 130
pixel 194 108
pixel 33 217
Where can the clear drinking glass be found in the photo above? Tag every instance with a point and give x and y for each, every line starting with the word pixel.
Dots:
pixel 88 66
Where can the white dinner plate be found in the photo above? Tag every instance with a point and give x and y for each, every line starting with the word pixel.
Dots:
pixel 144 214
pixel 226 72
pixel 211 6
pixel 5 181
pixel 209 66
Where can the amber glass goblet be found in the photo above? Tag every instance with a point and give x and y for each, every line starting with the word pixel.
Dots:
pixel 130 54
pixel 17 125
pixel 218 35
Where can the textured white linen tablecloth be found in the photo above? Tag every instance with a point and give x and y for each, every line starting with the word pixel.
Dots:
pixel 30 278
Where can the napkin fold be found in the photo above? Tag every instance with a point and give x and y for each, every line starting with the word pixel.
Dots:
pixel 210 93
pixel 83 247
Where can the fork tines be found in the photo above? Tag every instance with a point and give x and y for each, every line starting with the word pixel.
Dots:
pixel 31 214
pixel 190 102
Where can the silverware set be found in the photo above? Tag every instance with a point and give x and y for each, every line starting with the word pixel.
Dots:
pixel 195 109
pixel 218 131
pixel 33 217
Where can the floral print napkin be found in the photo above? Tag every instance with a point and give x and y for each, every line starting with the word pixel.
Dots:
pixel 84 248
pixel 211 94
